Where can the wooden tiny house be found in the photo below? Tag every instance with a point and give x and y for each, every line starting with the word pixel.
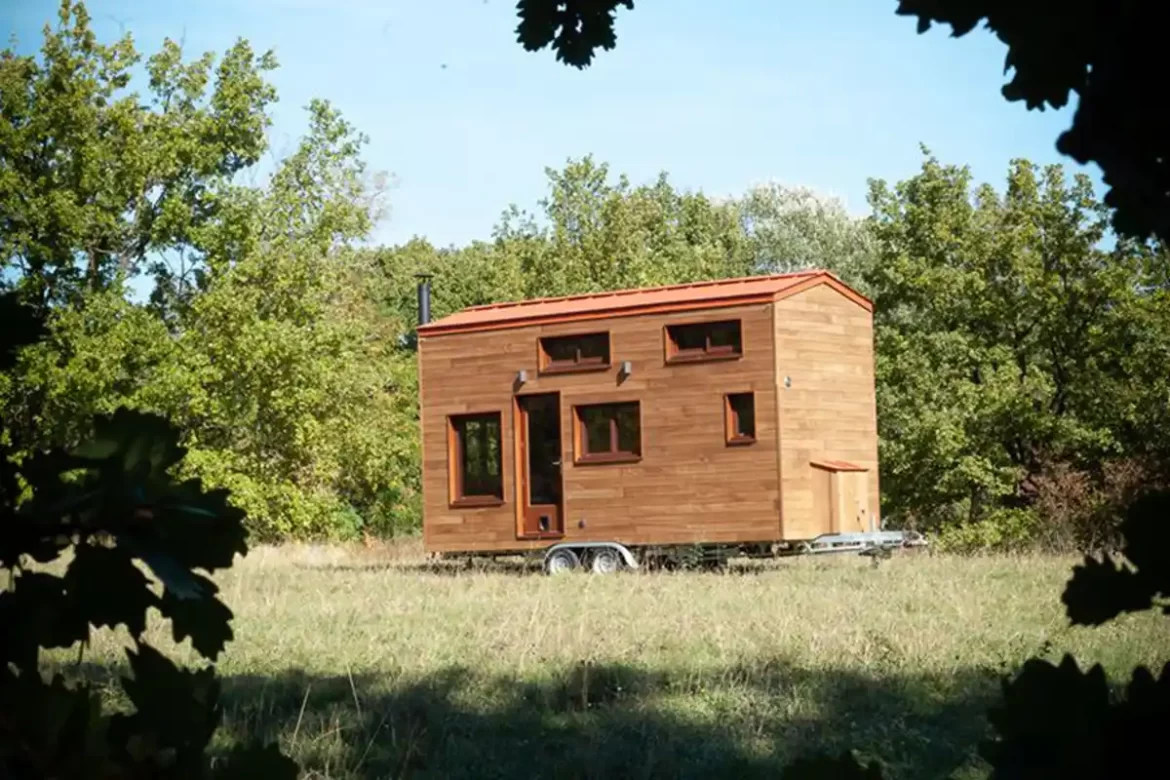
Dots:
pixel 734 413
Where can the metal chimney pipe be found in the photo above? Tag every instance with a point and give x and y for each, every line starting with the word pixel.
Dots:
pixel 424 298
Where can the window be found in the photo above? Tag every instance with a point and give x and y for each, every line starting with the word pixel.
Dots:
pixel 739 413
pixel 703 341
pixel 608 433
pixel 589 352
pixel 476 473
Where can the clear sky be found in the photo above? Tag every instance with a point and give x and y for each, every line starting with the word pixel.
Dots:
pixel 821 94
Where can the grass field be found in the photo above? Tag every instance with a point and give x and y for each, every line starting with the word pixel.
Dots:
pixel 371 663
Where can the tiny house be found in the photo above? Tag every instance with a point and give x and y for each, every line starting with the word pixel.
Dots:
pixel 735 416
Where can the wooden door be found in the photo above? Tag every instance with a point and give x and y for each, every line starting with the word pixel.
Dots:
pixel 840 499
pixel 540 485
pixel 851 497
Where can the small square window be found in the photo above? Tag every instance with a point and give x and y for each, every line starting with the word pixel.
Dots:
pixel 739 413
pixel 608 433
pixel 587 352
pixel 699 341
pixel 476 460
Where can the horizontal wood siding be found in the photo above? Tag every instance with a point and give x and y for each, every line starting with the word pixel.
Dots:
pixel 824 344
pixel 689 486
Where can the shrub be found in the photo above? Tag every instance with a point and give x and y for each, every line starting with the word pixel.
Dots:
pixel 1006 529
pixel 1082 509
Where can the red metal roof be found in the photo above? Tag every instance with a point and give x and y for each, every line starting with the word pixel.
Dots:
pixel 623 303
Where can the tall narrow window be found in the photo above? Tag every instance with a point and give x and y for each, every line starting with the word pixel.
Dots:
pixel 739 412
pixel 608 433
pixel 475 454
pixel 696 341
pixel 588 352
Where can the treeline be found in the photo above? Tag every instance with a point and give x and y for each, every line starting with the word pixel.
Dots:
pixel 1021 350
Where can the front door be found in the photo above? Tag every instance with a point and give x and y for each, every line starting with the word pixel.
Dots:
pixel 538 466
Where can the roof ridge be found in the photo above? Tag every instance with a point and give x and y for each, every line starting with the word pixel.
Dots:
pixel 638 290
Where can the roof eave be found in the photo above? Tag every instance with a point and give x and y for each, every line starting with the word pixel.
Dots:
pixel 439 329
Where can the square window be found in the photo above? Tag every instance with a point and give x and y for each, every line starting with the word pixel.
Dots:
pixel 739 412
pixel 476 459
pixel 698 341
pixel 587 352
pixel 608 433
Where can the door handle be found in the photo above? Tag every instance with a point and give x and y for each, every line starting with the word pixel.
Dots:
pixel 556 462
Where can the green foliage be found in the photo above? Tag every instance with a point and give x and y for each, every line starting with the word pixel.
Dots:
pixel 94 177
pixel 263 341
pixel 592 234
pixel 1002 328
pixel 793 228
pixel 1004 529
pixel 114 507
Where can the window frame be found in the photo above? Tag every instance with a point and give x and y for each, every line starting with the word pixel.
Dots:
pixel 457 497
pixel 580 440
pixel 708 352
pixel 580 365
pixel 731 418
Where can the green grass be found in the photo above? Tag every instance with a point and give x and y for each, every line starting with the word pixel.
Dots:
pixel 370 663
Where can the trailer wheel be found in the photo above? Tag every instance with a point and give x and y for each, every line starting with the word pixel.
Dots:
pixel 605 560
pixel 561 561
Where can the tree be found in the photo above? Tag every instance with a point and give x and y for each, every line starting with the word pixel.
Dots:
pixel 591 234
pixel 1002 327
pixel 113 506
pixel 792 228
pixel 97 182
pixel 262 340
pixel 1108 53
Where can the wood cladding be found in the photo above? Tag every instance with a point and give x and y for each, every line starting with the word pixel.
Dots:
pixel 688 485
pixel 825 375
pixel 685 484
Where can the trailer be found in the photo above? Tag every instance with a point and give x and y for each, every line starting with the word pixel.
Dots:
pixel 642 427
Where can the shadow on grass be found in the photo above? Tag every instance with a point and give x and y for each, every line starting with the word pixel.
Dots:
pixel 610 721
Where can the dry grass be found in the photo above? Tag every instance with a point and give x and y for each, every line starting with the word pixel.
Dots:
pixel 370 663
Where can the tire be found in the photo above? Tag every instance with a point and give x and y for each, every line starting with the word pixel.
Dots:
pixel 605 560
pixel 561 561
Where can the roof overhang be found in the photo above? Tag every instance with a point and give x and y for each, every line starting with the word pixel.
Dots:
pixel 624 307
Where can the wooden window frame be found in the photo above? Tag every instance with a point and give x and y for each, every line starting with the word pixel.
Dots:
pixel 580 364
pixel 731 420
pixel 456 496
pixel 707 353
pixel 580 441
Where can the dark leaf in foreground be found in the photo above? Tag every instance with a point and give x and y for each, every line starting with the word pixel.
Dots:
pixel 207 620
pixel 108 589
pixel 1059 722
pixel 1100 589
pixel 255 761
pixel 175 708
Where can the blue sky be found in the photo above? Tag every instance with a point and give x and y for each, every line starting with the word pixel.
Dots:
pixel 817 94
